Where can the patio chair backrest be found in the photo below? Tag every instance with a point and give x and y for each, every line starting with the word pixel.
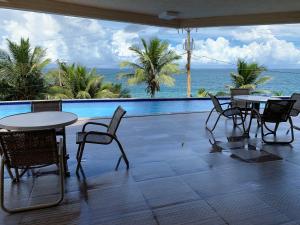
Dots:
pixel 23 149
pixel 115 120
pixel 216 103
pixel 296 108
pixel 47 105
pixel 239 91
pixel 277 110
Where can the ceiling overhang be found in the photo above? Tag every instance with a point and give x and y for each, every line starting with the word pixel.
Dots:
pixel 97 12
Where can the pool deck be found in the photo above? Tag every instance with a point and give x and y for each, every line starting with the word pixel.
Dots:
pixel 173 179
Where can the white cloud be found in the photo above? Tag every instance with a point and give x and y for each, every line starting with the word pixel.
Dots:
pixel 253 34
pixel 41 29
pixel 104 44
pixel 268 51
pixel 121 41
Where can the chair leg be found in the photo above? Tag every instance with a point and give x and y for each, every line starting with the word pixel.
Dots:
pixel 78 151
pixel 80 157
pixel 292 129
pixel 66 156
pixel 262 132
pixel 10 173
pixel 276 128
pixel 123 155
pixel 211 111
pixel 2 185
pixel 118 163
pixel 281 142
pixel 40 206
pixel 17 175
pixel 211 130
pixel 258 126
pixel 243 122
pixel 234 119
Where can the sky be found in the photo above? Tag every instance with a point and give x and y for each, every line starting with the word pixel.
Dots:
pixel 104 44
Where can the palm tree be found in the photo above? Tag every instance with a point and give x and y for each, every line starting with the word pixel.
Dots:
pixel 202 92
pixel 249 75
pixel 21 71
pixel 77 82
pixel 155 65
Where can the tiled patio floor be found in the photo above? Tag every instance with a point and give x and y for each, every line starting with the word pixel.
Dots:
pixel 173 179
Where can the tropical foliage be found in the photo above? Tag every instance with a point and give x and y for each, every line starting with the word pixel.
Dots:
pixel 277 93
pixel 202 92
pixel 248 75
pixel 75 81
pixel 21 76
pixel 154 67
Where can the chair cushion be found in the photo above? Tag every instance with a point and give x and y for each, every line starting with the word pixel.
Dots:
pixel 93 138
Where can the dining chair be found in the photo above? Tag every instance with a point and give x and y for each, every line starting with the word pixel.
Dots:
pixel 46 105
pixel 51 105
pixel 295 110
pixel 275 112
pixel 296 107
pixel 104 138
pixel 229 113
pixel 24 150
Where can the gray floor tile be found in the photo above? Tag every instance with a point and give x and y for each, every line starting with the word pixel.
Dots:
pixel 239 207
pixel 196 212
pixel 152 170
pixel 138 218
pixel 166 191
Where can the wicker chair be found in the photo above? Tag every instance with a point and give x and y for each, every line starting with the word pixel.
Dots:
pixel 23 150
pixel 52 105
pixel 275 112
pixel 229 112
pixel 46 105
pixel 105 138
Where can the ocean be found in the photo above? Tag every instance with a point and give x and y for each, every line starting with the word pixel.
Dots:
pixel 283 80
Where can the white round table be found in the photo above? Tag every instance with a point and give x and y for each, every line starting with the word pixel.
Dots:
pixel 41 121
pixel 38 120
pixel 253 98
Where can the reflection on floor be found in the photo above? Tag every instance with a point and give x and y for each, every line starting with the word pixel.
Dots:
pixel 174 179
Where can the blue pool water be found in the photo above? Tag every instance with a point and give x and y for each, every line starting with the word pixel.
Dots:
pixel 88 109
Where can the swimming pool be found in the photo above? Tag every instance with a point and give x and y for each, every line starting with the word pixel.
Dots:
pixel 105 108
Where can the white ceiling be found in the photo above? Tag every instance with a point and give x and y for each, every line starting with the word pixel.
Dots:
pixel 192 13
pixel 190 9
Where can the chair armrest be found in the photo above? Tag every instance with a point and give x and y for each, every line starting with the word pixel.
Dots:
pixel 93 123
pixel 225 103
pixel 98 133
pixel 296 127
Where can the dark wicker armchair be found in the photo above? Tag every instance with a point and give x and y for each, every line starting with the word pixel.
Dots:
pixel 23 150
pixel 52 105
pixel 275 112
pixel 229 112
pixel 105 138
